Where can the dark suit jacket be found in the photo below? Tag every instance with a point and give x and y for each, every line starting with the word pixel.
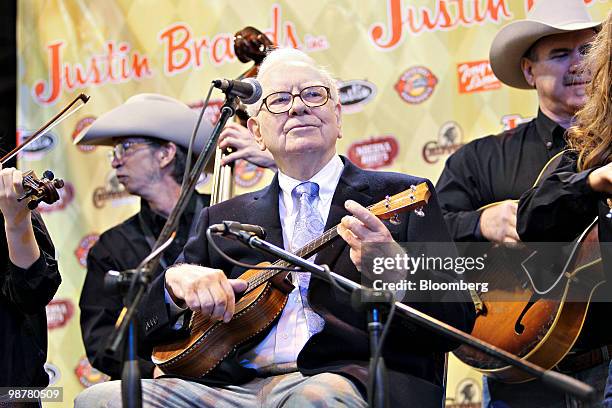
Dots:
pixel 414 357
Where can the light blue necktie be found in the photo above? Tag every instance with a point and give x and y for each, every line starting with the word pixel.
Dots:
pixel 308 226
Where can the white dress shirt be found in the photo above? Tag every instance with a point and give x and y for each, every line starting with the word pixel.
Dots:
pixel 287 338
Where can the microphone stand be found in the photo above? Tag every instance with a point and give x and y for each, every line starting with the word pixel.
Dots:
pixel 140 278
pixel 554 379
pixel 132 284
pixel 373 302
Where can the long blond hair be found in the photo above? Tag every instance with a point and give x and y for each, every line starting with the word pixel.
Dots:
pixel 591 135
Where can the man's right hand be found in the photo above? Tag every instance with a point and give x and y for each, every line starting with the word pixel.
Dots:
pixel 205 290
pixel 498 223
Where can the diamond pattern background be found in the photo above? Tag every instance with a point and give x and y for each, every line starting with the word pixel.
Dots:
pixel 86 26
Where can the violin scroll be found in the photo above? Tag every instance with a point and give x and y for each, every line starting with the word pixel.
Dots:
pixel 40 190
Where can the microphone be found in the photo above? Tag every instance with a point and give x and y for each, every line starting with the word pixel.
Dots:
pixel 235 228
pixel 248 90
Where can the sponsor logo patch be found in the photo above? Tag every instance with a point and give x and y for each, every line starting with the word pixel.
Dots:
pixel 80 127
pixel 53 372
pixel 66 195
pixel 59 312
pixel 87 375
pixel 416 84
pixel 374 153
pixel 354 94
pixel 112 191
pixel 83 248
pixel 476 76
pixel 449 140
pixel 247 174
pixel 39 148
pixel 512 121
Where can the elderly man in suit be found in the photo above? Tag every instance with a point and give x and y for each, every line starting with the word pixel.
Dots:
pixel 316 352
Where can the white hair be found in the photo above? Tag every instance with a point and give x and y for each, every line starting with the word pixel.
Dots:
pixel 289 55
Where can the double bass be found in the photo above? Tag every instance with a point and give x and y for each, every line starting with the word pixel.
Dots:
pixel 250 44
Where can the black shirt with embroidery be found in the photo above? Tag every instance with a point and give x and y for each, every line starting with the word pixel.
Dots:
pixel 23 319
pixel 124 247
pixel 494 168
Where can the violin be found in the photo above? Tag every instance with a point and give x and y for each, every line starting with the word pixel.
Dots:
pixel 45 189
pixel 40 190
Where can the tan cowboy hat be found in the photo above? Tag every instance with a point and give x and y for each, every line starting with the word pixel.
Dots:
pixel 148 115
pixel 547 17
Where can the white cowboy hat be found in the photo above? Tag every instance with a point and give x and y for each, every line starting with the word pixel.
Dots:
pixel 148 115
pixel 547 17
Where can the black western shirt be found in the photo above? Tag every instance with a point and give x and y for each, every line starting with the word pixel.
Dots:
pixel 124 247
pixel 494 168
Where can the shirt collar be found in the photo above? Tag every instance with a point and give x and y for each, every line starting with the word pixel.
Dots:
pixel 156 220
pixel 551 133
pixel 327 178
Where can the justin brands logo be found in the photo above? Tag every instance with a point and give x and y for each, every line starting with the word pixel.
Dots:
pixel 374 153
pixel 476 76
pixel 449 140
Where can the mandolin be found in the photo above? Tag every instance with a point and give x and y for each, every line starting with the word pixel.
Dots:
pixel 210 342
pixel 536 319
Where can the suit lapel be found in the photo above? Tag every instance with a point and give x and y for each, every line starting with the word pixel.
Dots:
pixel 263 210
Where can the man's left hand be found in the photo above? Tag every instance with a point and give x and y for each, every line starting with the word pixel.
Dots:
pixel 362 226
pixel 14 212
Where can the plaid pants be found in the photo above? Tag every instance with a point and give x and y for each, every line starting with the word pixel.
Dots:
pixel 287 390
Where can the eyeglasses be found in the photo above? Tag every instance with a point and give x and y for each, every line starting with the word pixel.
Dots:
pixel 281 102
pixel 121 150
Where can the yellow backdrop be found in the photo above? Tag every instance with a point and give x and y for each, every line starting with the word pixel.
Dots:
pixel 415 84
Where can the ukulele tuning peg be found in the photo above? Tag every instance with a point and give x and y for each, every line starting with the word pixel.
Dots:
pixel 395 219
pixel 419 212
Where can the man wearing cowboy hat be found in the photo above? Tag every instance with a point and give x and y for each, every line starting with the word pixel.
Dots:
pixel 480 181
pixel 150 135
